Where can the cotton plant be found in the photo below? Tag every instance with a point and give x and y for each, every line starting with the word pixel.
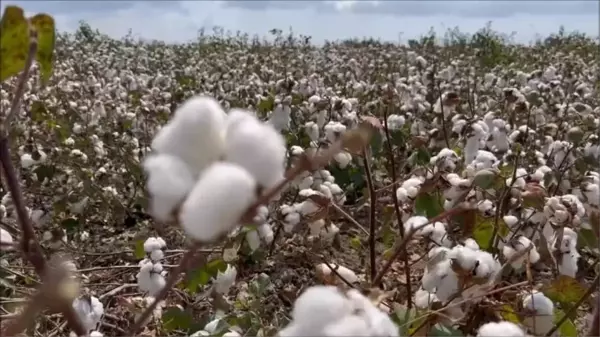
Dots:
pixel 151 277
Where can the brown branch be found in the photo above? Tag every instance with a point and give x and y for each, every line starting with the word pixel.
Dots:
pixel 372 213
pixel 391 159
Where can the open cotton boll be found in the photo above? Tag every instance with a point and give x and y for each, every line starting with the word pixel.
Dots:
pixel 424 299
pixel 6 240
pixel 225 280
pixel 266 232
pixel 568 263
pixel 90 310
pixel 348 326
pixel 329 277
pixel 415 223
pixel 169 181
pixel 257 147
pixel 217 201
pixel 253 240
pixel 378 321
pixel 318 307
pixel 194 134
pixel 543 313
pixel 157 282
pixel 503 329
pixel 517 247
pixel 343 159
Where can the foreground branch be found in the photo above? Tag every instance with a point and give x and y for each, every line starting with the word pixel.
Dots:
pixel 30 247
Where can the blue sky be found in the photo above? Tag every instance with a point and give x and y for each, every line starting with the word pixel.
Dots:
pixel 180 20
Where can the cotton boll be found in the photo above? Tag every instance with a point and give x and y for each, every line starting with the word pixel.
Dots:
pixel 157 282
pixel 543 309
pixel 347 326
pixel 312 130
pixel 253 240
pixel 169 180
pixel 266 232
pixel 96 334
pixel 157 255
pixel 568 263
pixel 231 334
pixel 143 281
pixel 27 161
pixel 212 326
pixel 317 307
pixel 258 148
pixel 510 220
pixel 343 159
pixel 225 280
pixel 537 302
pixel 194 134
pixel 90 310
pixel 424 299
pixel 465 258
pixel 471 244
pixel 504 329
pixel 415 223
pixel 325 273
pixel 217 201
pixel 6 240
pixel 157 267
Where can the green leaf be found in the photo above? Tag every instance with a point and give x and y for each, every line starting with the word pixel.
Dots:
pixel 420 158
pixel 176 319
pixel 44 25
pixel 138 250
pixel 196 278
pixel 200 276
pixel 402 316
pixel 14 42
pixel 215 266
pixel 483 231
pixel 508 313
pixel 567 328
pixel 355 243
pixel 440 330
pixel 427 205
pixel 587 238
pixel 564 289
pixel 265 105
pixel 44 172
pixel 70 224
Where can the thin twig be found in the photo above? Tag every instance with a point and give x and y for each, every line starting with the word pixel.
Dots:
pixel 372 213
pixel 391 159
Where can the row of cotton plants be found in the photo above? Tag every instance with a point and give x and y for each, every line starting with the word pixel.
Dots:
pixel 221 144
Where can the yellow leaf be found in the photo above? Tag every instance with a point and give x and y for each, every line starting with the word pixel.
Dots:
pixel 44 25
pixel 508 313
pixel 564 289
pixel 14 42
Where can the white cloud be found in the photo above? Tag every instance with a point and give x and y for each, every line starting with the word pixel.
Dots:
pixel 180 21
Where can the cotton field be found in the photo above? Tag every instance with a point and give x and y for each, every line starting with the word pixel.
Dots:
pixel 235 186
